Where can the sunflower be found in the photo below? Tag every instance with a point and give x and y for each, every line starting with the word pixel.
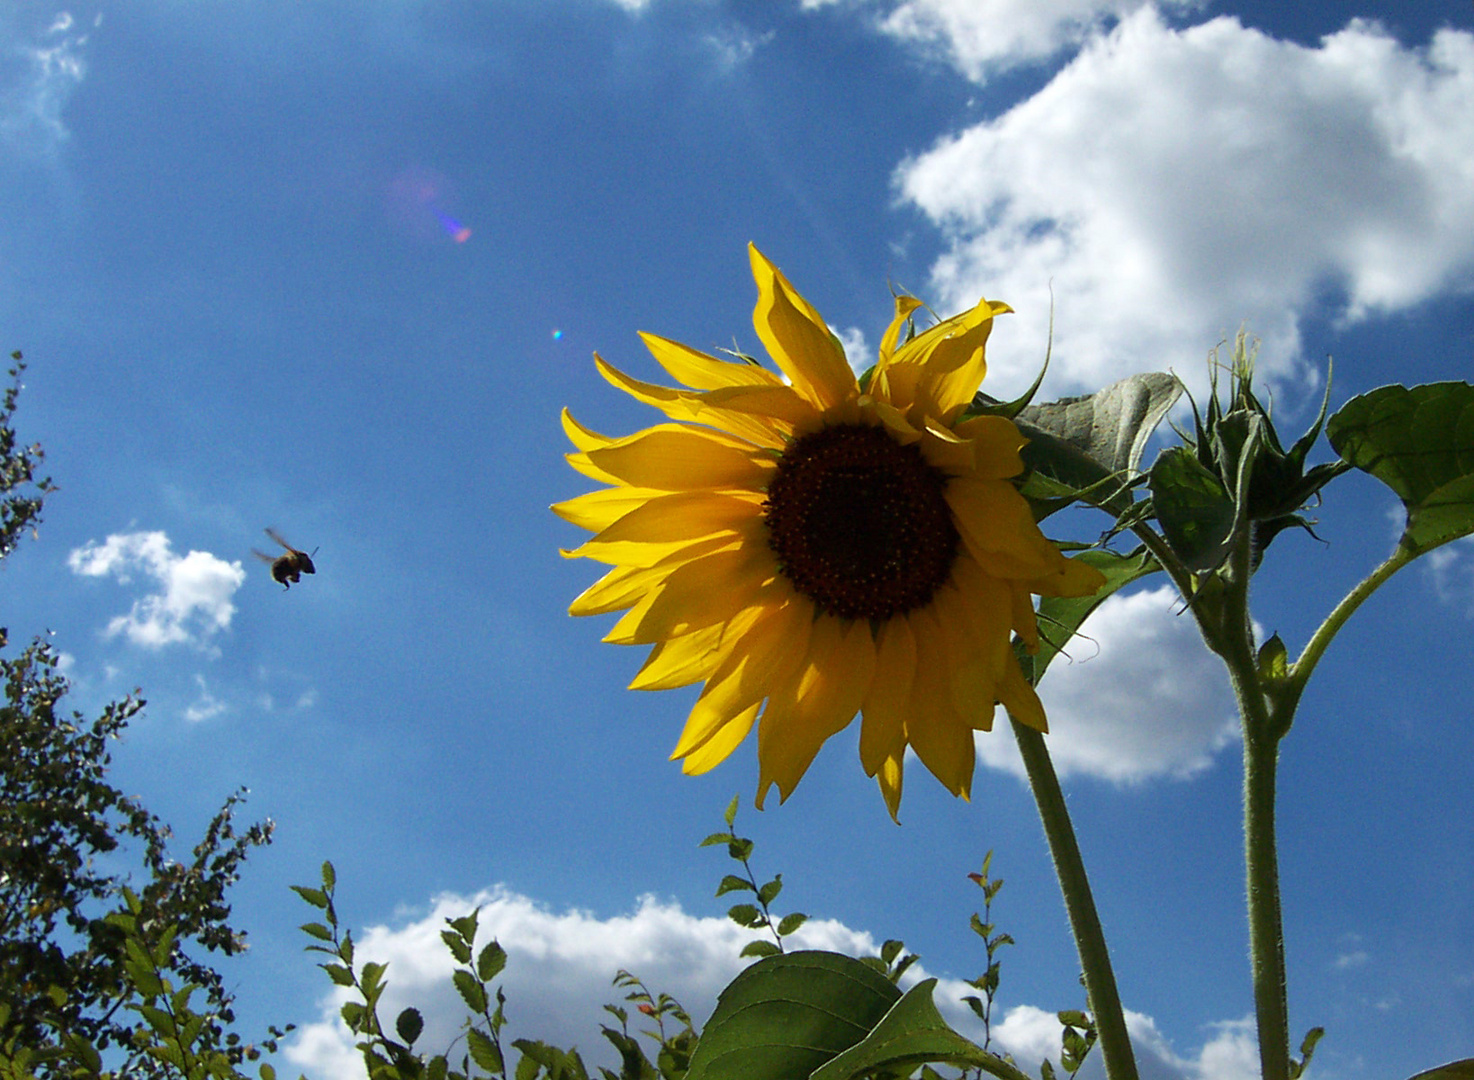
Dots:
pixel 810 549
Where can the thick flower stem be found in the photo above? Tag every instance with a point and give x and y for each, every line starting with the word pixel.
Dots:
pixel 1095 961
pixel 1266 933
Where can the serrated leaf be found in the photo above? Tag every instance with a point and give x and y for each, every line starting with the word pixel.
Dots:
pixel 733 883
pixel 409 1024
pixel 457 946
pixel 340 975
pixel 483 1051
pixel 1061 616
pixel 316 930
pixel 471 991
pixel 760 947
pixel 1420 443
pixel 785 1016
pixel 329 876
pixel 465 926
pixel 316 897
pixel 740 848
pixel 770 890
pixel 490 962
pixel 745 915
pixel 789 923
pixel 912 1033
pixel 1454 1070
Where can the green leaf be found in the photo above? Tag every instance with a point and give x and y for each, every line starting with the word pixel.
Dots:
pixel 733 883
pixel 716 838
pixel 338 973
pixel 1061 616
pixel 1454 1070
pixel 471 991
pixel 769 892
pixel 316 897
pixel 746 915
pixel 1420 443
pixel 267 1072
pixel 760 947
pixel 317 930
pixel 1110 427
pixel 789 923
pixel 483 1051
pixel 912 1033
pixel 329 877
pixel 787 1015
pixel 409 1024
pixel 490 962
pixel 457 946
pixel 730 815
pixel 1195 510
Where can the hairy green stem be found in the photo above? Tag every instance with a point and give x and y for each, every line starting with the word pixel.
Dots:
pixel 1301 670
pixel 1095 961
pixel 1266 930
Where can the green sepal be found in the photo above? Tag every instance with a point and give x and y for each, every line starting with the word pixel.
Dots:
pixel 1420 443
pixel 1194 507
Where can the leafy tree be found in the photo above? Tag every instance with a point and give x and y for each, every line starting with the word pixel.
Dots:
pixel 71 915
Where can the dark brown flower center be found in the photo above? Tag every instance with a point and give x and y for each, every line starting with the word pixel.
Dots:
pixel 860 523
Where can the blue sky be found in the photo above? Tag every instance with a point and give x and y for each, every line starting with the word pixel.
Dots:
pixel 234 250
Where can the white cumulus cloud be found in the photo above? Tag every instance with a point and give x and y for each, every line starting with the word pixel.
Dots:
pixel 983 37
pixel 191 601
pixel 560 966
pixel 1172 185
pixel 1138 697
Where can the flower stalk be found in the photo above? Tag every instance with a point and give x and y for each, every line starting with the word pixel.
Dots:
pixel 1069 868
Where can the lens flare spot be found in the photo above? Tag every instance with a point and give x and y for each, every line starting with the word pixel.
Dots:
pixel 557 335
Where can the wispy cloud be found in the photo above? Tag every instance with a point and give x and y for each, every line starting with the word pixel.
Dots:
pixel 1174 184
pixel 37 77
pixel 191 601
pixel 1451 569
pixel 1140 698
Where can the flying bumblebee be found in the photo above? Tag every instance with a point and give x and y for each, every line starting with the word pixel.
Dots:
pixel 289 567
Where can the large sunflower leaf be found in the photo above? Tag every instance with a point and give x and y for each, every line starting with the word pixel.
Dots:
pixel 1454 1070
pixel 913 1033
pixel 788 1015
pixel 1195 510
pixel 1111 426
pixel 1061 616
pixel 1420 443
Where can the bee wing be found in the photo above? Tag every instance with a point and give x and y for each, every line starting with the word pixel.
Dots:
pixel 263 556
pixel 279 539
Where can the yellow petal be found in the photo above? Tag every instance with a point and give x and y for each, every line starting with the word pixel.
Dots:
pixel 762 644
pixel 972 651
pixel 996 442
pixel 702 372
pixel 798 339
pixel 749 411
pixel 664 526
pixel 617 590
pixel 883 731
pixel 680 661
pixel 597 510
pixel 948 361
pixel 941 738
pixel 678 457
pixel 818 700
pixel 699 593
pixel 999 529
pixel 720 744
pixel 1071 577
pixel 889 778
pixel 1019 698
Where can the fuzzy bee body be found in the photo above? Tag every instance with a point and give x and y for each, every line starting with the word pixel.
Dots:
pixel 289 568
